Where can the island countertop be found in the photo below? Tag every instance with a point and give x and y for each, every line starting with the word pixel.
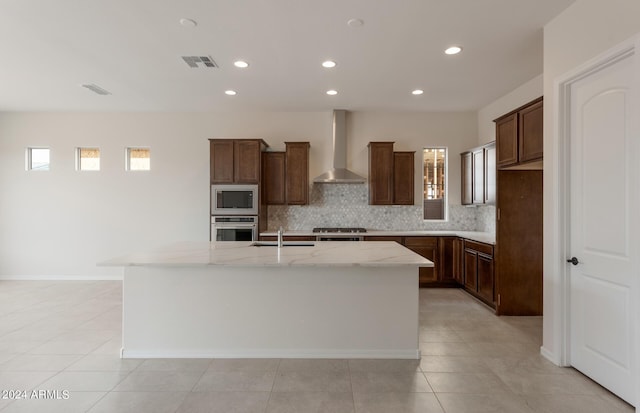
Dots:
pixel 244 254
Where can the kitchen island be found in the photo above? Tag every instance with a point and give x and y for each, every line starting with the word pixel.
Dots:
pixel 234 299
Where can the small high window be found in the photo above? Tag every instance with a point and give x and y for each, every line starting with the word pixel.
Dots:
pixel 138 159
pixel 88 159
pixel 38 159
pixel 434 168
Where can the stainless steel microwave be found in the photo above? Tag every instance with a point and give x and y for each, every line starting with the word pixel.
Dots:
pixel 234 199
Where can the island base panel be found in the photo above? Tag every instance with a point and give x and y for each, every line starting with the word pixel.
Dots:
pixel 270 312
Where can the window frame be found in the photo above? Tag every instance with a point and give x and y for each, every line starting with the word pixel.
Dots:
pixel 29 159
pixel 79 158
pixel 445 201
pixel 127 158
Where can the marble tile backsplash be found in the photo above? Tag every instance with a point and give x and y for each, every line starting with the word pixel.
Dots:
pixel 347 205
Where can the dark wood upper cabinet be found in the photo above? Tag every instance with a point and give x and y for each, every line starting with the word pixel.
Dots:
pixel 380 173
pixel 236 161
pixel 467 177
pixel 221 161
pixel 479 175
pixel 530 131
pixel 519 137
pixel 403 178
pixel 286 175
pixel 490 173
pixel 391 175
pixel 507 140
pixel 273 177
pixel 297 173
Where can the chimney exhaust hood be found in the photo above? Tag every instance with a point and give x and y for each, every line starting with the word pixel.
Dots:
pixel 339 174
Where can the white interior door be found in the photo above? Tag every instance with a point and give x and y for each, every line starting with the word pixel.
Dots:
pixel 603 238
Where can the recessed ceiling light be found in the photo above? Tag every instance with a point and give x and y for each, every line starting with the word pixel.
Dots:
pixel 355 22
pixel 328 64
pixel 188 22
pixel 332 92
pixel 417 92
pixel 241 64
pixel 230 92
pixel 453 50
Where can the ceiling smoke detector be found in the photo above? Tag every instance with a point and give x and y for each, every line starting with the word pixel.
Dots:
pixel 199 61
pixel 96 89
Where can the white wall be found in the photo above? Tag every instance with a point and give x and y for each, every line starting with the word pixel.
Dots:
pixel 61 222
pixel 525 93
pixel 583 31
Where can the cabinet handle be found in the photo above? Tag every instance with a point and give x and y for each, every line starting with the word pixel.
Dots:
pixel 573 261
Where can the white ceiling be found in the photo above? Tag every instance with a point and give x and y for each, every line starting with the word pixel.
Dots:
pixel 132 48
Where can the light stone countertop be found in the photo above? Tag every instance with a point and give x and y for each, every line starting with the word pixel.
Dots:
pixel 243 254
pixel 486 237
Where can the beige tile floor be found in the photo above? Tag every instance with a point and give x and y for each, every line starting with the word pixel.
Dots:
pixel 66 335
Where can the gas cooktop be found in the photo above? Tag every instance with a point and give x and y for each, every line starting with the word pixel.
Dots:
pixel 343 229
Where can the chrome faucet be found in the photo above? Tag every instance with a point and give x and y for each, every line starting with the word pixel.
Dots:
pixel 280 230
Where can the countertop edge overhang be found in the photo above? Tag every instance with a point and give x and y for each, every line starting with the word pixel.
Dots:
pixel 243 254
pixel 485 237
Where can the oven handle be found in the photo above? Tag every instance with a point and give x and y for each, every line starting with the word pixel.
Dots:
pixel 230 225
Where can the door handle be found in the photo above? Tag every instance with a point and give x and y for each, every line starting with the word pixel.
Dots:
pixel 573 261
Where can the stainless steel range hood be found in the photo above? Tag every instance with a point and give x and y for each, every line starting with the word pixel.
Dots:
pixel 339 174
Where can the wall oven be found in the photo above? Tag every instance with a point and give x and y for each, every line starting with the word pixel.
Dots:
pixel 234 199
pixel 234 228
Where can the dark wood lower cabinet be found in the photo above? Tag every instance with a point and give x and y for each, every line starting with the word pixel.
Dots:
pixel 448 271
pixel 479 279
pixel 428 248
pixel 457 266
pixel 470 270
pixel 486 282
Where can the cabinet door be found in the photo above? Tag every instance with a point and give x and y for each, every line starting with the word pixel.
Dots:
pixel 273 177
pixel 380 173
pixel 458 263
pixel 297 173
pixel 471 270
pixel 467 177
pixel 221 158
pixel 530 132
pixel 507 140
pixel 485 278
pixel 478 176
pixel 428 248
pixel 246 161
pixel 403 178
pixel 490 174
pixel 446 260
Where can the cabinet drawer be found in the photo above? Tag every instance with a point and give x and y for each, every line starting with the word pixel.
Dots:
pixel 384 238
pixel 426 242
pixel 481 247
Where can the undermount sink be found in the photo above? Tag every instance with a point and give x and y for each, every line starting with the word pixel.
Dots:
pixel 284 244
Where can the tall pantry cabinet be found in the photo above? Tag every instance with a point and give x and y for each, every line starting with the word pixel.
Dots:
pixel 518 251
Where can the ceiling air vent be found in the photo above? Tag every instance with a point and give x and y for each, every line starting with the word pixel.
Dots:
pixel 195 61
pixel 96 89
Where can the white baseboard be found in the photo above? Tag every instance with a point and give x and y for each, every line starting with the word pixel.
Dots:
pixel 549 356
pixel 274 353
pixel 114 277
